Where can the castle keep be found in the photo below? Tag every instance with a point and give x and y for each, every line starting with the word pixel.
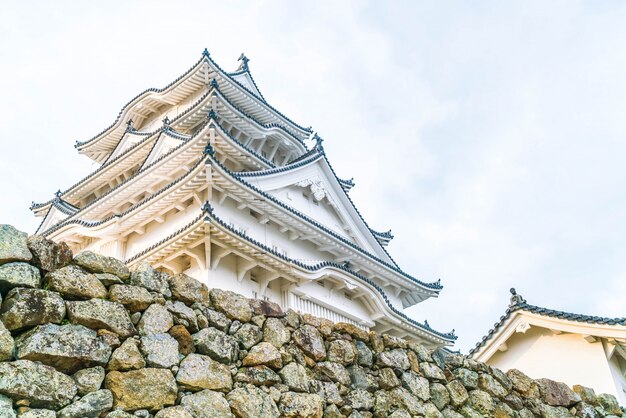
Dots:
pixel 205 177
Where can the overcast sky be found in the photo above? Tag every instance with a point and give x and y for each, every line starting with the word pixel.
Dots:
pixel 489 136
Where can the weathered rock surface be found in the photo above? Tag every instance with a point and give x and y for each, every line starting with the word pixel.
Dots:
pixel 160 350
pixel 134 298
pixel 127 357
pixel 144 275
pixel 47 254
pixel 142 389
pixel 188 290
pixel 42 385
pixel 301 405
pixel 96 313
pixel 309 339
pixel 29 307
pixel 155 320
pixel 251 402
pixel 91 405
pixel 89 380
pixel 72 282
pixel 6 343
pixel 199 372
pixel 67 348
pixel 19 274
pixel 174 412
pixel 207 404
pixel 266 308
pixel 97 263
pixel 234 306
pixel 275 332
pixel 295 376
pixel 264 354
pixel 13 245
pixel 217 345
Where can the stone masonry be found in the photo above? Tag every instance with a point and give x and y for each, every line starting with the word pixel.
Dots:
pixel 85 337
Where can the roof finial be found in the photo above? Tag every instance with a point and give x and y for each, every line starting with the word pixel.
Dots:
pixel 426 324
pixel 207 207
pixel 318 144
pixel 244 62
pixel 516 299
pixel 206 53
pixel 58 194
pixel 212 114
pixel 214 83
pixel 166 122
pixel 208 149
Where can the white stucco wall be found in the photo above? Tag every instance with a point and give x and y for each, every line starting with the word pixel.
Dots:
pixel 564 357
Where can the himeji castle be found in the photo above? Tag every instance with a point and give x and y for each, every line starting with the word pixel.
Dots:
pixel 205 177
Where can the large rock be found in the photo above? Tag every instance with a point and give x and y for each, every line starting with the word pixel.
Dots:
pixel 360 399
pixel 127 357
pixel 309 339
pixel 396 359
pixel 365 357
pixel 155 320
pixel 134 298
pixel 342 351
pixel 217 319
pixel 42 385
pixel 207 404
pixel 174 412
pixel 24 308
pixel 399 398
pixel 89 380
pixel 199 372
pixel 301 405
pixel 275 332
pixel 188 290
pixel 67 348
pixel 258 376
pixel 266 308
pixel 96 314
pixel 19 274
pixel 6 407
pixel 97 263
pixel 248 335
pixel 91 405
pixel 295 376
pixel 264 354
pixel 145 276
pixel 142 389
pixel 47 254
pixel 250 402
pixel 160 350
pixel 75 283
pixel 13 245
pixel 6 343
pixel 352 330
pixel 217 345
pixel 333 371
pixel 234 306
pixel 418 386
pixel 557 393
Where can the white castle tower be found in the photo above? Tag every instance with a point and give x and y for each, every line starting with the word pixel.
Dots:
pixel 205 177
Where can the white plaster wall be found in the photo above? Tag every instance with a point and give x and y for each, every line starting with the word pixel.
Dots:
pixel 567 358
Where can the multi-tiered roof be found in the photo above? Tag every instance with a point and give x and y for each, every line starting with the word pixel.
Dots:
pixel 184 170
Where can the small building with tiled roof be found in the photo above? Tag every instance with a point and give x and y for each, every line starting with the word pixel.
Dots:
pixel 562 346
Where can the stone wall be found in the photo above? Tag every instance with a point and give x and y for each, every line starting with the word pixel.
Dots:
pixel 85 337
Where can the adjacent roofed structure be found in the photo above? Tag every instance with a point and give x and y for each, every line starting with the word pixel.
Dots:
pixel 563 346
pixel 205 177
